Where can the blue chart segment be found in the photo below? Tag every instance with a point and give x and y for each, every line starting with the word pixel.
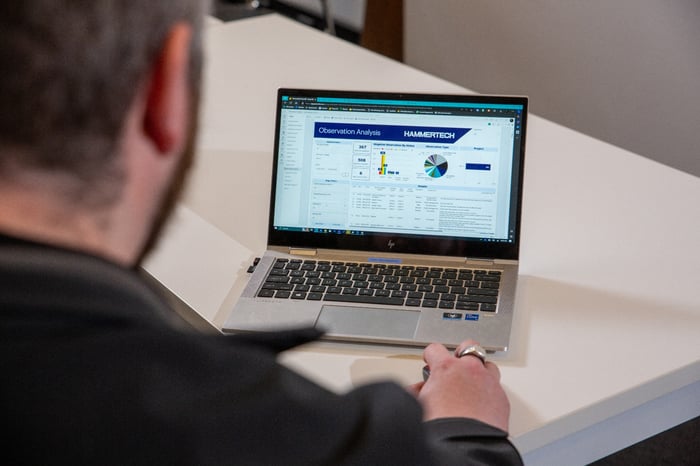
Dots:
pixel 435 166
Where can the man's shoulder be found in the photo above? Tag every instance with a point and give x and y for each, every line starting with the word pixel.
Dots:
pixel 60 284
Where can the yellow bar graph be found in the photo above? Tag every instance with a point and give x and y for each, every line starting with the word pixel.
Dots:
pixel 382 166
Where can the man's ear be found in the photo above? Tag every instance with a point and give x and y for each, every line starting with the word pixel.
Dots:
pixel 166 113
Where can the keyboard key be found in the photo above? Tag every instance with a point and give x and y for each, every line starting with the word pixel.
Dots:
pixel 266 293
pixel 282 294
pixel 413 302
pixel 364 299
pixel 314 296
pixel 479 299
pixel 430 303
pixel 298 295
pixel 483 291
pixel 278 286
pixel 466 306
pixel 277 279
pixel 488 278
pixel 446 305
pixel 488 307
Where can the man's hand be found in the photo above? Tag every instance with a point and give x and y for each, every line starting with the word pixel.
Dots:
pixel 462 387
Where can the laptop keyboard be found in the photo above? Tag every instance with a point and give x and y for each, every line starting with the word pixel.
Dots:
pixel 399 285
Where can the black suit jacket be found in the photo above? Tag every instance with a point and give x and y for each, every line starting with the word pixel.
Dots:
pixel 95 372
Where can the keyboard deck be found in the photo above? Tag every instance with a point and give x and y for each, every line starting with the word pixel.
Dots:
pixel 399 285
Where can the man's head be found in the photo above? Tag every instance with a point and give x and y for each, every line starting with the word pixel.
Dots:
pixel 81 80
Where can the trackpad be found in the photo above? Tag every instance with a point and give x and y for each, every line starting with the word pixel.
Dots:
pixel 361 321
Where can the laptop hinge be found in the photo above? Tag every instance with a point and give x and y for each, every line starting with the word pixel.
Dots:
pixel 478 261
pixel 303 252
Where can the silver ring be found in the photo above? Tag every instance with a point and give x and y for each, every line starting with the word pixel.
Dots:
pixel 473 350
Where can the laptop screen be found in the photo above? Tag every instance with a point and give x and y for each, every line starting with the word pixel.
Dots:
pixel 435 174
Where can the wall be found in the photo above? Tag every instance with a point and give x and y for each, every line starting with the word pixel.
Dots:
pixel 624 71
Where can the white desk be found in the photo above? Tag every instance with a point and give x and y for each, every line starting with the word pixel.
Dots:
pixel 606 347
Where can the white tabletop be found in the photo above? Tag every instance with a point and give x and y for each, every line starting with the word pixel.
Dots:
pixel 608 307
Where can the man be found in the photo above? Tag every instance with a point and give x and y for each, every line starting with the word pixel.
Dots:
pixel 97 115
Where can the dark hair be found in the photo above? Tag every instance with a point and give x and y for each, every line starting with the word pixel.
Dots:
pixel 69 70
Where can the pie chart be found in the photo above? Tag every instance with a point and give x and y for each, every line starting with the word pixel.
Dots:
pixel 435 166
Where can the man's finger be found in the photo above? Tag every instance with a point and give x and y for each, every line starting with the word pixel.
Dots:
pixel 435 352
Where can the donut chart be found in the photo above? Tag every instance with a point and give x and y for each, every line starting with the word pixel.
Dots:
pixel 435 166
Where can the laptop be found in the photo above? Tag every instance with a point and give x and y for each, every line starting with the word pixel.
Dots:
pixel 394 218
